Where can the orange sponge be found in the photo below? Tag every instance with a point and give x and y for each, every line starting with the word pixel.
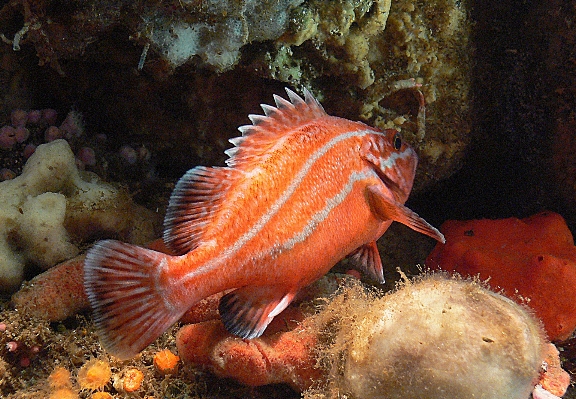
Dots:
pixel 532 260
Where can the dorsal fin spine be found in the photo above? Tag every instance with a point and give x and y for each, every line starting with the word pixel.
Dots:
pixel 267 129
pixel 244 129
pixel 282 102
pixel 268 109
pixel 295 98
pixel 236 140
pixel 312 102
pixel 257 119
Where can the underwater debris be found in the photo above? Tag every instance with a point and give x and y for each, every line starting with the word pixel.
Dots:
pixel 533 260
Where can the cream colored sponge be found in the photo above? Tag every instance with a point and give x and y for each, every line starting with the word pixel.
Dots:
pixel 435 338
pixel 51 208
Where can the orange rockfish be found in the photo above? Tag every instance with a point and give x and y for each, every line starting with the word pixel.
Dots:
pixel 302 190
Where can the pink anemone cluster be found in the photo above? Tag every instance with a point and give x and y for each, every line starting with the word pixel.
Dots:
pixel 27 129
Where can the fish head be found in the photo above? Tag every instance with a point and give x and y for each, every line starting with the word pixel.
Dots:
pixel 393 160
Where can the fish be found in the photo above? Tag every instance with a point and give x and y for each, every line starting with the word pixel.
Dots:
pixel 300 191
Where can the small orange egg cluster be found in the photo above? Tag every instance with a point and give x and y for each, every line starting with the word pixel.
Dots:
pixel 166 362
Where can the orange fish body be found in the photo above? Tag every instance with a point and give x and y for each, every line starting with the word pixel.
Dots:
pixel 301 191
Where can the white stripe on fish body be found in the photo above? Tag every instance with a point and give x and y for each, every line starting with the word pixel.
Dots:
pixel 390 161
pixel 276 207
pixel 323 214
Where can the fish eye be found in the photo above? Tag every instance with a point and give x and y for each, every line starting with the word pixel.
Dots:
pixel 397 141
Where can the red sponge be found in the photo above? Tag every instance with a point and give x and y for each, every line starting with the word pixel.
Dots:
pixel 532 260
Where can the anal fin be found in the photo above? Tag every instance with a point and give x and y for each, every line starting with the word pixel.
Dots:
pixel 367 259
pixel 247 311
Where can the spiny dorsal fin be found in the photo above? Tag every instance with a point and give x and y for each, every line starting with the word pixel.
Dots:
pixel 266 129
pixel 195 199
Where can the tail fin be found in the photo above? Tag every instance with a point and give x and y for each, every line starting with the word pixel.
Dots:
pixel 130 304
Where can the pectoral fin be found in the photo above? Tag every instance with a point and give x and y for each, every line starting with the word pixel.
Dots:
pixel 387 208
pixel 247 311
pixel 367 260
